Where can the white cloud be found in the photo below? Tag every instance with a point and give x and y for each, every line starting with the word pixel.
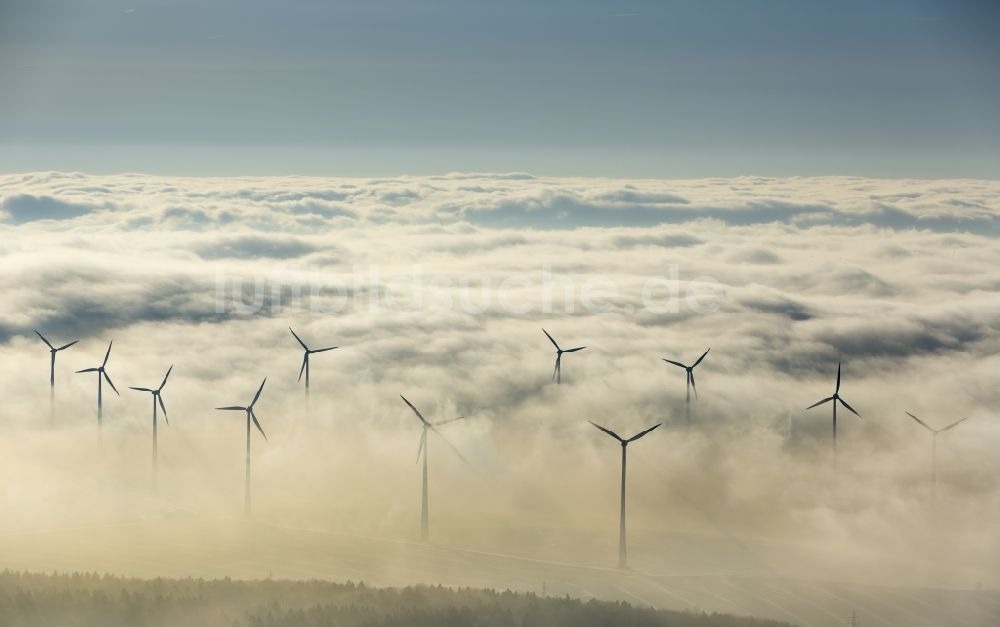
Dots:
pixel 897 278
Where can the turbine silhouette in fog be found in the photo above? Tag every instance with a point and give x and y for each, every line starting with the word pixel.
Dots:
pixel 251 417
pixel 622 551
pixel 557 373
pixel 934 435
pixel 690 383
pixel 422 452
pixel 52 372
pixel 157 398
pixel 836 399
pixel 305 358
pixel 102 375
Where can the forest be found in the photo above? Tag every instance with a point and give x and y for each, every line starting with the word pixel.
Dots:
pixel 95 600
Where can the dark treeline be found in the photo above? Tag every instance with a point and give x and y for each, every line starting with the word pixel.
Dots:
pixel 91 600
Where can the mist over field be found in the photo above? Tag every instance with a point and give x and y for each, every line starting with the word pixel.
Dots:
pixel 437 288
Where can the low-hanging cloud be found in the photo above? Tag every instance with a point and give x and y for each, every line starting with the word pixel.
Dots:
pixel 438 287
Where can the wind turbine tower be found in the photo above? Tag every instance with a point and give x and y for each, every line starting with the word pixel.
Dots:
pixel 622 550
pixel 102 375
pixel 157 399
pixel 836 398
pixel 689 371
pixel 251 418
pixel 52 374
pixel 557 372
pixel 305 358
pixel 422 453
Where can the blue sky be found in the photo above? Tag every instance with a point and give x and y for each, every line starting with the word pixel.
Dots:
pixel 587 87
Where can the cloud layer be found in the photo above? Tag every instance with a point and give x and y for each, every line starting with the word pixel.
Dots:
pixel 438 287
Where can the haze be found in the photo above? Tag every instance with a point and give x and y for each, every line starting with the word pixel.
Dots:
pixel 785 277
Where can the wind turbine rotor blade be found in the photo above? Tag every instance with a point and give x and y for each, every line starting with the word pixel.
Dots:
pixel 65 346
pixel 694 387
pixel 844 403
pixel 419 415
pixel 305 360
pixel 88 370
pixel 955 424
pixel 556 369
pixel 259 390
pixel 108 379
pixel 44 340
pixel 299 339
pixel 423 444
pixel 167 376
pixel 141 389
pixel 608 431
pixel 818 403
pixel 107 354
pixel 676 363
pixel 838 379
pixel 253 417
pixel 231 408
pixel 922 423
pixel 551 340
pixel 162 406
pixel 573 350
pixel 700 358
pixel 452 447
pixel 444 422
pixel 642 433
pixel 323 350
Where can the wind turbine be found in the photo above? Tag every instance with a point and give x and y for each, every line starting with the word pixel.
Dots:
pixel 690 383
pixel 622 551
pixel 251 417
pixel 52 373
pixel 157 398
pixel 557 373
pixel 934 435
pixel 836 399
pixel 422 452
pixel 102 374
pixel 305 358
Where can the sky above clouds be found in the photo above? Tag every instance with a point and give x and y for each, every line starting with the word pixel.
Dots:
pixel 780 277
pixel 595 87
